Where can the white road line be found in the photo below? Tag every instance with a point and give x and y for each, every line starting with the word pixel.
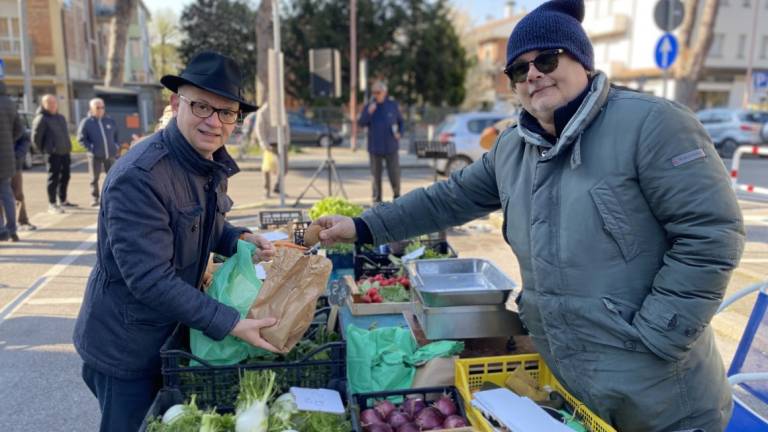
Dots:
pixel 55 301
pixel 54 271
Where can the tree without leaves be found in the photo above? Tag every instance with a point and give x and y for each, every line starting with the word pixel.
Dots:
pixel 118 38
pixel 695 42
pixel 224 26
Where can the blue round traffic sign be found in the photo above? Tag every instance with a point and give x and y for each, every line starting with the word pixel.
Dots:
pixel 666 51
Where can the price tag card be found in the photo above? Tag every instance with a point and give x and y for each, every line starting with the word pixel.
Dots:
pixel 414 255
pixel 322 400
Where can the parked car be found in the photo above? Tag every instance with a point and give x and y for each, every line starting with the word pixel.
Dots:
pixel 34 157
pixel 731 128
pixel 464 131
pixel 305 131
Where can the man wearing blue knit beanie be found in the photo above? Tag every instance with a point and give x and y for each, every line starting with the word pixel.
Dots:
pixel 622 219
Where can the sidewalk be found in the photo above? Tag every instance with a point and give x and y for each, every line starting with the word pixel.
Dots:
pixel 311 157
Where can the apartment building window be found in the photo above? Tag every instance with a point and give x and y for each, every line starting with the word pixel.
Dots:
pixel 764 48
pixel 716 50
pixel 742 46
pixel 10 43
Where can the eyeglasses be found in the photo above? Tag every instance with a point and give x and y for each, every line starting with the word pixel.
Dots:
pixel 204 110
pixel 546 62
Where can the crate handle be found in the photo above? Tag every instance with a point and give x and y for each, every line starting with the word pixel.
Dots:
pixel 189 356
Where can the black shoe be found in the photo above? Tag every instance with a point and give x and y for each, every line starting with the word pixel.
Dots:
pixel 14 237
pixel 67 204
pixel 27 227
pixel 95 203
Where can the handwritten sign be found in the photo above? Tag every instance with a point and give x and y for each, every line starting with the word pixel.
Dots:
pixel 322 400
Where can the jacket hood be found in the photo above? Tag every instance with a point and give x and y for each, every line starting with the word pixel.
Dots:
pixel 570 138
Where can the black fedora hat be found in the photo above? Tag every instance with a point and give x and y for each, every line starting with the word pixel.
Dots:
pixel 212 72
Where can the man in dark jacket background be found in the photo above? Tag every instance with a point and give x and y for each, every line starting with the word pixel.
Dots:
pixel 385 126
pixel 98 134
pixel 162 214
pixel 51 136
pixel 10 130
pixel 21 149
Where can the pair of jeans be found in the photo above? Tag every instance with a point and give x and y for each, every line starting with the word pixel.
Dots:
pixel 123 403
pixel 17 185
pixel 8 203
pixel 393 172
pixel 58 177
pixel 95 165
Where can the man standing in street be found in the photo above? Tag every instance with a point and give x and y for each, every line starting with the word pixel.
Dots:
pixel 385 126
pixel 98 134
pixel 624 223
pixel 10 130
pixel 51 136
pixel 266 136
pixel 21 149
pixel 162 214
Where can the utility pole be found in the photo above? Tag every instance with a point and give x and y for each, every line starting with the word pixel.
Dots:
pixel 26 68
pixel 748 81
pixel 278 109
pixel 353 72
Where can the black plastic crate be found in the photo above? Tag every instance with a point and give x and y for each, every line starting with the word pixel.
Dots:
pixel 298 232
pixel 373 264
pixel 271 219
pixel 362 401
pixel 434 149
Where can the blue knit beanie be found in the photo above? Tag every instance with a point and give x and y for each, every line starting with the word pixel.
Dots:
pixel 554 24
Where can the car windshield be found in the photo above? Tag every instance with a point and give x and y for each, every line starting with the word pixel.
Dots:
pixel 447 125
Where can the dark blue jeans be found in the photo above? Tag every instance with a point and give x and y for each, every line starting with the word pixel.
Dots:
pixel 123 403
pixel 7 207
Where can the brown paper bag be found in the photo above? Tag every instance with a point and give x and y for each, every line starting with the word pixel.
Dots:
pixel 438 372
pixel 294 282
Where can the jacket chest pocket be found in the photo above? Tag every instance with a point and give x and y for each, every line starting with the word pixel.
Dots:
pixel 187 235
pixel 616 223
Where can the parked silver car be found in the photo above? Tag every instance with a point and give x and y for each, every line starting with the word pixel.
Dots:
pixel 730 128
pixel 464 131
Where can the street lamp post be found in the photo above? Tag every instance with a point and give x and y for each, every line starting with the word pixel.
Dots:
pixel 25 60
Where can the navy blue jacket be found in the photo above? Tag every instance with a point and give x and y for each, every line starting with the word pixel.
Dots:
pixel 99 136
pixel 162 212
pixel 21 147
pixel 380 124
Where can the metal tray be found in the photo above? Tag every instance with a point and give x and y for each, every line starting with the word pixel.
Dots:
pixel 459 282
pixel 465 322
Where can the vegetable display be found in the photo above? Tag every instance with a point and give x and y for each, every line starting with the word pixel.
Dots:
pixel 334 206
pixel 378 289
pixel 414 414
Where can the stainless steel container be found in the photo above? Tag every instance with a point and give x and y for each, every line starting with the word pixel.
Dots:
pixel 459 282
pixel 465 322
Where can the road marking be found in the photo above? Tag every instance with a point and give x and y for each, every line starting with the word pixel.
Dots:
pixel 49 275
pixel 55 301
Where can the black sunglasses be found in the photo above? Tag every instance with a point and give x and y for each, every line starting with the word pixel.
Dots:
pixel 546 62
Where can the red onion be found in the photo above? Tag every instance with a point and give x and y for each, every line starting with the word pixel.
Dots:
pixel 409 427
pixel 445 405
pixel 370 417
pixel 454 421
pixel 429 418
pixel 398 418
pixel 384 408
pixel 378 427
pixel 413 406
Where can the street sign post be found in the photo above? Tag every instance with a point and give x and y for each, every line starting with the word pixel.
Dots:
pixel 668 14
pixel 666 51
pixel 760 80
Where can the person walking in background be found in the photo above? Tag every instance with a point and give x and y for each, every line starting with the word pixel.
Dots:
pixel 385 126
pixel 266 136
pixel 10 130
pixel 21 149
pixel 51 136
pixel 98 134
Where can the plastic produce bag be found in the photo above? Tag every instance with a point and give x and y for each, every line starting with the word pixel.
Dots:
pixel 294 282
pixel 234 284
pixel 386 358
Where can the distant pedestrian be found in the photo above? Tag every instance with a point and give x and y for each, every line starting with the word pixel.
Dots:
pixel 385 126
pixel 98 134
pixel 10 130
pixel 51 136
pixel 21 149
pixel 266 136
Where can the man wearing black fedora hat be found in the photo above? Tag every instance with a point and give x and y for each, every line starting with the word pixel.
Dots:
pixel 162 214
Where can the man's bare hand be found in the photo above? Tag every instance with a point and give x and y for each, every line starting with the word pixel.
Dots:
pixel 249 330
pixel 336 229
pixel 371 107
pixel 264 248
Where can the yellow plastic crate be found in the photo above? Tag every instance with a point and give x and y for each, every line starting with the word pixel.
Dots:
pixel 472 373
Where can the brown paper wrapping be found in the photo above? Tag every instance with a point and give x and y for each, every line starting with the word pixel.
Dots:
pixel 294 282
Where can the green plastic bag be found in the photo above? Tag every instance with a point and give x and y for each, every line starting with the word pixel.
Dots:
pixel 234 284
pixel 386 358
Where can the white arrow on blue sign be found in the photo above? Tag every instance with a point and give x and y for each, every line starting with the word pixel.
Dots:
pixel 760 80
pixel 666 51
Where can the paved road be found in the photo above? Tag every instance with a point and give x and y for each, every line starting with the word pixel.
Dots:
pixel 42 280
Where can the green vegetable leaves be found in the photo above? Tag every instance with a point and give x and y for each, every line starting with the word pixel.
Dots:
pixel 334 206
